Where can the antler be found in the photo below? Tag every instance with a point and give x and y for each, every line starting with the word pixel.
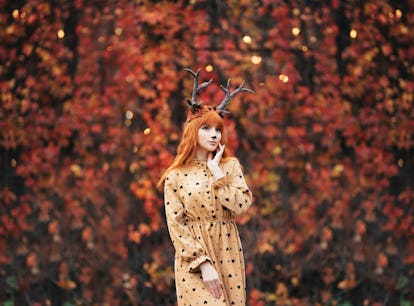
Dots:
pixel 193 101
pixel 229 95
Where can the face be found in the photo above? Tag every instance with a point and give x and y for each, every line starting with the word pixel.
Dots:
pixel 209 138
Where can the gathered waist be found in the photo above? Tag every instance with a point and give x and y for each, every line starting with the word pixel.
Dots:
pixel 212 221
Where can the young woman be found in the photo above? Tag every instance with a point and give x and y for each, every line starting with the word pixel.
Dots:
pixel 204 191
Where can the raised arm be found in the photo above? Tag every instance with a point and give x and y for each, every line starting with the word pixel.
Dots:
pixel 232 191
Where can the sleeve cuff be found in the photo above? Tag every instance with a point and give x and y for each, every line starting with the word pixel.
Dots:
pixel 195 264
pixel 225 180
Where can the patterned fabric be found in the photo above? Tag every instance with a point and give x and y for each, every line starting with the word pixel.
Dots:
pixel 200 216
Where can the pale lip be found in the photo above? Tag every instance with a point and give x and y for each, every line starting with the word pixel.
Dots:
pixel 213 143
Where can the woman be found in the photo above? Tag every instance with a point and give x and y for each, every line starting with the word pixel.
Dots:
pixel 204 190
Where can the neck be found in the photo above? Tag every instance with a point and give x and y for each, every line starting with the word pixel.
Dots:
pixel 201 155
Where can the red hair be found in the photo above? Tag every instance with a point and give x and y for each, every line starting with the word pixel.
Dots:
pixel 189 140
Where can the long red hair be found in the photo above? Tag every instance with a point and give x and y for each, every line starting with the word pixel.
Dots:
pixel 189 140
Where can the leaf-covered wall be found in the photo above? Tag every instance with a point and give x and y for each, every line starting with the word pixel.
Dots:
pixel 92 105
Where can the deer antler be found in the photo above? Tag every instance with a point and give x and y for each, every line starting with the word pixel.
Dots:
pixel 193 101
pixel 229 95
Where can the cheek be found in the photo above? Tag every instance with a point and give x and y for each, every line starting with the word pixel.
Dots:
pixel 201 135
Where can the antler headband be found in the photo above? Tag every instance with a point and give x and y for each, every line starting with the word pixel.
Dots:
pixel 197 109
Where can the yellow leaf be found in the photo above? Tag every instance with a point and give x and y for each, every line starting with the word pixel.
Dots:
pixel 265 247
pixel 67 284
pixel 337 170
pixel 347 284
pixel 76 170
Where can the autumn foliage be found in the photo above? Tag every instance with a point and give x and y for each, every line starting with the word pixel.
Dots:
pixel 92 103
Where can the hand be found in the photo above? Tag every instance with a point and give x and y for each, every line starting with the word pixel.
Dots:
pixel 211 280
pixel 213 163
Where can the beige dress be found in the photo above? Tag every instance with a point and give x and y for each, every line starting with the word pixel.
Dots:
pixel 200 215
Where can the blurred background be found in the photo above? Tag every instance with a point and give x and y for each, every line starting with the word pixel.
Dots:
pixel 92 105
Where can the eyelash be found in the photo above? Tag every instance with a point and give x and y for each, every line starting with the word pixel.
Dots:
pixel 206 127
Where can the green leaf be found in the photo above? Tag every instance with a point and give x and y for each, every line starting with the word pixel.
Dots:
pixel 402 282
pixel 12 282
pixel 405 303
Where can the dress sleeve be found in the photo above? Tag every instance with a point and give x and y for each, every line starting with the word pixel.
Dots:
pixel 186 246
pixel 232 191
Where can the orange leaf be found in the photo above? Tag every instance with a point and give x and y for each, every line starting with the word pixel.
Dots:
pixel 145 229
pixel 67 284
pixel 249 268
pixel 360 227
pixel 87 234
pixel 254 298
pixel 31 260
pixel 294 132
pixel 327 234
pixel 382 260
pixel 134 236
pixel 347 284
pixel 53 227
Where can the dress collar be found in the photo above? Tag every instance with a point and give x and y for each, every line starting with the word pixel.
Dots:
pixel 198 162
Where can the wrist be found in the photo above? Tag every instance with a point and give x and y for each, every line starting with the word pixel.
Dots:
pixel 217 173
pixel 204 265
pixel 219 176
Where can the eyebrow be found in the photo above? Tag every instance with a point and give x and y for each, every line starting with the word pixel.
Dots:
pixel 214 126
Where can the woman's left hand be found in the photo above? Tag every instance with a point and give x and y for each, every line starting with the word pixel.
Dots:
pixel 213 163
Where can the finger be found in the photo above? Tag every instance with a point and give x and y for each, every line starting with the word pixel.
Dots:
pixel 209 287
pixel 217 289
pixel 214 288
pixel 218 292
pixel 220 151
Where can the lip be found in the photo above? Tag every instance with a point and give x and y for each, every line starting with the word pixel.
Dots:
pixel 213 143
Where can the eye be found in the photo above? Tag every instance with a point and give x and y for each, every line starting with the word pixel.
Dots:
pixel 205 127
pixel 218 129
